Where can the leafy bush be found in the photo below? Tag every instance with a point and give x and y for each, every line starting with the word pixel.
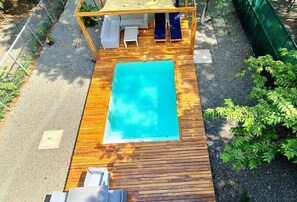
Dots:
pixel 89 21
pixel 10 88
pixel 269 127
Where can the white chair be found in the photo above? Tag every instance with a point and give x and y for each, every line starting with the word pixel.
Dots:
pixel 131 20
pixel 110 32
pixel 97 177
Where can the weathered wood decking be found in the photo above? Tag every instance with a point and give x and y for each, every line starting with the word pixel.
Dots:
pixel 149 171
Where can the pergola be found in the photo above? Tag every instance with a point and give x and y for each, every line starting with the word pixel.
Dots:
pixel 119 7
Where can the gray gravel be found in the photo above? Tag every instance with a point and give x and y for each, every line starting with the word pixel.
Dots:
pixel 52 99
pixel 223 35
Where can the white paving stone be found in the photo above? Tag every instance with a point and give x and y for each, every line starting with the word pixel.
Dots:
pixel 202 56
pixel 50 139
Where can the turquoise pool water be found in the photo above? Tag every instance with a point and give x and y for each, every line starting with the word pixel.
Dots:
pixel 142 106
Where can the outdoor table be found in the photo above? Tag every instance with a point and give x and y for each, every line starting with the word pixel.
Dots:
pixel 130 35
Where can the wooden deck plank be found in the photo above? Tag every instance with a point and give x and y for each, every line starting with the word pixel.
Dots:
pixel 148 171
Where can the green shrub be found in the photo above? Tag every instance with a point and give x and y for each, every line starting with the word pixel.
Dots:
pixel 10 87
pixel 269 127
pixel 89 21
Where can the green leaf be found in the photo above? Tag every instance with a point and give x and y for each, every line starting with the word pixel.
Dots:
pixel 225 158
pixel 268 157
pixel 252 164
pixel 240 73
pixel 269 126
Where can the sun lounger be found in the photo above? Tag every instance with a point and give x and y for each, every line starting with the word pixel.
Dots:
pixel 160 27
pixel 97 177
pixel 174 27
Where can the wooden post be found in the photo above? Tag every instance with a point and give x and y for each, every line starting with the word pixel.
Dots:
pixel 88 37
pixel 100 4
pixel 193 32
pixel 186 13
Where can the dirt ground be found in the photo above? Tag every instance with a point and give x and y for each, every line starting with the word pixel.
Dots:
pixel 16 12
pixel 287 10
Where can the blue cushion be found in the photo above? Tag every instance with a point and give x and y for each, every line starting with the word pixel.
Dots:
pixel 175 28
pixel 160 26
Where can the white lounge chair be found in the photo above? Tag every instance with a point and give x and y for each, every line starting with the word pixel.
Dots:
pixel 97 177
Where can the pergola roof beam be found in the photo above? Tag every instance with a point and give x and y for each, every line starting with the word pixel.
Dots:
pixel 168 10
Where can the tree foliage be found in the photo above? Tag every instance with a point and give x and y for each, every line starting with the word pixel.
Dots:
pixel 269 127
pixel 89 21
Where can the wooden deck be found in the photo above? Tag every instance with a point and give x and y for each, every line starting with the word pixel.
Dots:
pixel 148 171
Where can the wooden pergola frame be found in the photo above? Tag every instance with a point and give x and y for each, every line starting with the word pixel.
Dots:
pixel 185 10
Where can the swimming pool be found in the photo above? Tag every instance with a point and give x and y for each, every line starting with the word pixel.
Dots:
pixel 142 105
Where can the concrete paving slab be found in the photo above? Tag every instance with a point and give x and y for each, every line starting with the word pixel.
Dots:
pixel 50 139
pixel 202 56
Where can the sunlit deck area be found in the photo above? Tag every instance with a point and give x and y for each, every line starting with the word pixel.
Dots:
pixel 148 171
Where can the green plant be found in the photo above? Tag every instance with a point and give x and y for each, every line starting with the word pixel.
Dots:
pixel 40 32
pixel 42 28
pixel 269 127
pixel 10 87
pixel 89 21
pixel 10 83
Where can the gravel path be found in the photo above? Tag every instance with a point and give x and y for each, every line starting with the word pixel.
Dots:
pixel 52 99
pixel 223 35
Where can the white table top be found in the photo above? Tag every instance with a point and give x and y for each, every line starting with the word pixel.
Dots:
pixel 131 33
